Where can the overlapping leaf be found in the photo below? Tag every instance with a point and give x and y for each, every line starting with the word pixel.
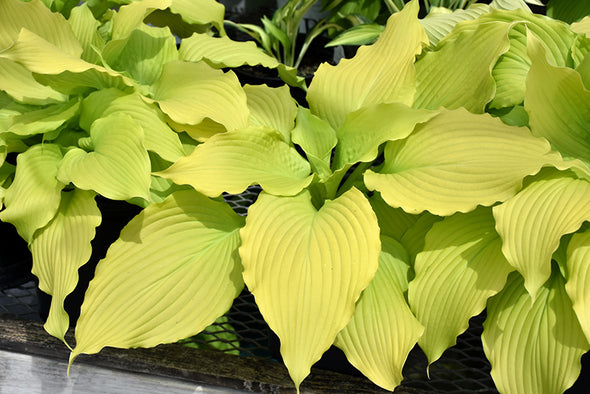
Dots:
pixel 117 167
pixel 460 267
pixel 271 107
pixel 307 267
pixel 458 72
pixel 380 73
pixel 578 281
pixel 232 161
pixel 558 104
pixel 145 293
pixel 457 161
pixel 60 248
pixel 33 198
pixel 533 346
pixel 191 92
pixel 382 330
pixel 532 223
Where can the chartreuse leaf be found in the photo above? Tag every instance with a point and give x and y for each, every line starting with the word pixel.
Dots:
pixel 456 161
pixel 232 161
pixel 325 259
pixel 60 248
pixel 271 107
pixel 393 222
pixel 85 27
pixel 191 92
pixel 364 130
pixel 532 223
pixel 380 73
pixel 382 330
pixel 117 167
pixel 131 16
pixel 145 293
pixel 317 139
pixel 462 259
pixel 582 27
pixel 19 82
pixel 34 16
pixel 33 197
pixel 159 137
pixel 558 104
pixel 440 21
pixel 578 281
pixel 533 346
pixel 200 12
pixel 458 72
pixel 511 70
pixel 223 52
pixel 142 53
pixel 45 119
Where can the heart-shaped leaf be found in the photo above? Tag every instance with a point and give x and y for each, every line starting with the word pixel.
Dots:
pixel 307 267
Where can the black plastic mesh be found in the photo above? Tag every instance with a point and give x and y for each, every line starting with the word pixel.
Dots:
pixel 462 368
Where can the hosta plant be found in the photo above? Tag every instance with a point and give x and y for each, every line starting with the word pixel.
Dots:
pixel 426 182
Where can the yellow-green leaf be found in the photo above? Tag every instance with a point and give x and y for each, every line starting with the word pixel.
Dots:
pixel 366 129
pixel 60 248
pixel 532 223
pixel 382 330
pixel 379 73
pixel 191 92
pixel 558 104
pixel 271 107
pixel 578 281
pixel 307 267
pixel 19 82
pixel 456 161
pixel 460 267
pixel 533 346
pixel 118 165
pixel 32 199
pixel 174 270
pixel 44 120
pixel 131 16
pixel 85 27
pixel 232 161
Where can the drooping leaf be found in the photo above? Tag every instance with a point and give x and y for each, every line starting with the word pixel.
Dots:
pixel 364 34
pixel 366 129
pixel 382 330
pixel 380 73
pixel 558 104
pixel 223 52
pixel 327 257
pixel 232 161
pixel 200 12
pixel 159 137
pixel 533 346
pixel 191 92
pixel 271 107
pixel 131 16
pixel 532 223
pixel 317 139
pixel 117 165
pixel 145 293
pixel 60 248
pixel 32 199
pixel 460 267
pixel 457 161
pixel 458 72
pixel 578 280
